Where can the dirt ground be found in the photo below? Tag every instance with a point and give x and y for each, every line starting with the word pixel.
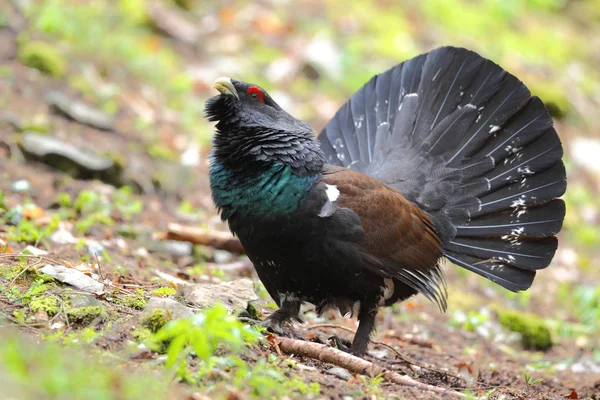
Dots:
pixel 419 341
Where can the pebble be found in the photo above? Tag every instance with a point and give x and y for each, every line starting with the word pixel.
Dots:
pixel 176 309
pixel 339 372
pixel 21 186
pixel 234 295
pixel 79 111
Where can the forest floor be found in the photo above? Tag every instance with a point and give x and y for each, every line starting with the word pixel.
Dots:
pixel 91 188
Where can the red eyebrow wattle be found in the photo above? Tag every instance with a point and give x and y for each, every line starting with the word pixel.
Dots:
pixel 254 89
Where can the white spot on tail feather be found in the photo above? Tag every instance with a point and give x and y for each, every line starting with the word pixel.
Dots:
pixel 359 121
pixel 524 170
pixel 332 193
pixel 518 203
pixel 517 231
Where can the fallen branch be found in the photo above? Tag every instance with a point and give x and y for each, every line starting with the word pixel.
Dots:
pixel 215 239
pixel 354 364
pixel 380 343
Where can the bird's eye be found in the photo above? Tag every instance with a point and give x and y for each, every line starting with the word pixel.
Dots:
pixel 256 94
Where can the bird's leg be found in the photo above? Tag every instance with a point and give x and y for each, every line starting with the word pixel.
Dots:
pixel 366 325
pixel 290 309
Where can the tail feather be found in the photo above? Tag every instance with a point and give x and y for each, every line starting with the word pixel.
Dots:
pixel 465 141
pixel 525 127
pixel 507 276
pixel 530 222
pixel 532 190
pixel 524 254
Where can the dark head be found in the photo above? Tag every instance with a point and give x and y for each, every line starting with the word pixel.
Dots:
pixel 253 129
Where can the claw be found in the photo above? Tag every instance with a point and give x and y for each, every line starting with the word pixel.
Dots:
pixel 341 344
pixel 250 321
pixel 277 328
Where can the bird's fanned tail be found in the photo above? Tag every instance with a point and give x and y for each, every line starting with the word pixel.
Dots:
pixel 466 142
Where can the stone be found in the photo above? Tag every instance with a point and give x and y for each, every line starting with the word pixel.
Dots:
pixel 234 295
pixel 175 308
pixel 84 300
pixel 72 277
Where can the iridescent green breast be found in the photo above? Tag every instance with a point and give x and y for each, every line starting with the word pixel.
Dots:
pixel 269 193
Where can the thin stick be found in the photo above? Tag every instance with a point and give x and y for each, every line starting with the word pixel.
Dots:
pixel 355 364
pixel 402 359
pixel 215 239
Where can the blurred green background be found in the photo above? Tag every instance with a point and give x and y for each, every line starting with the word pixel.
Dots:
pixel 145 68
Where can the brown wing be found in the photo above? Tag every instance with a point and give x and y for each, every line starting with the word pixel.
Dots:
pixel 399 240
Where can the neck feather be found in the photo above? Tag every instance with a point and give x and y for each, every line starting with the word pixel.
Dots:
pixel 259 192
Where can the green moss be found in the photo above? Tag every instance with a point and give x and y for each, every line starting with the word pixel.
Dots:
pixel 155 320
pixel 10 273
pixel 44 303
pixel 163 291
pixel 535 334
pixel 85 315
pixel 132 300
pixel 43 57
pixel 141 334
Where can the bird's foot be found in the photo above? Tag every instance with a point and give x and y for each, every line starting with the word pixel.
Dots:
pixel 346 346
pixel 341 344
pixel 272 326
pixel 249 321
pixel 276 327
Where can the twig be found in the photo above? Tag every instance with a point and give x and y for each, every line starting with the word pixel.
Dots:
pixel 216 239
pixel 355 364
pixel 99 267
pixel 332 326
pixel 380 343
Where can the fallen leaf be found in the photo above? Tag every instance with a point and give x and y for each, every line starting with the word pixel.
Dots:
pixel 6 249
pixel 33 213
pixel 572 395
pixel 173 285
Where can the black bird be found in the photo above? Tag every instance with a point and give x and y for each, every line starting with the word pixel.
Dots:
pixel 443 156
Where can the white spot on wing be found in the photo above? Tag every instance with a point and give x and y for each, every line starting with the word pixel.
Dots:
pixel 332 193
pixel 494 128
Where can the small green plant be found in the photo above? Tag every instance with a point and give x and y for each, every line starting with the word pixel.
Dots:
pixel 124 202
pixel 218 340
pixel 3 207
pixel 27 231
pixel 586 305
pixel 371 385
pixel 37 287
pixel 530 380
pixel 90 208
pixel 19 316
pixel 469 321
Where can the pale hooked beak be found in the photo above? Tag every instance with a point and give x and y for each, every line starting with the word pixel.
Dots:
pixel 224 86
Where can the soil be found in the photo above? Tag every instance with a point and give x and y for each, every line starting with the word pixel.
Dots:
pixel 434 351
